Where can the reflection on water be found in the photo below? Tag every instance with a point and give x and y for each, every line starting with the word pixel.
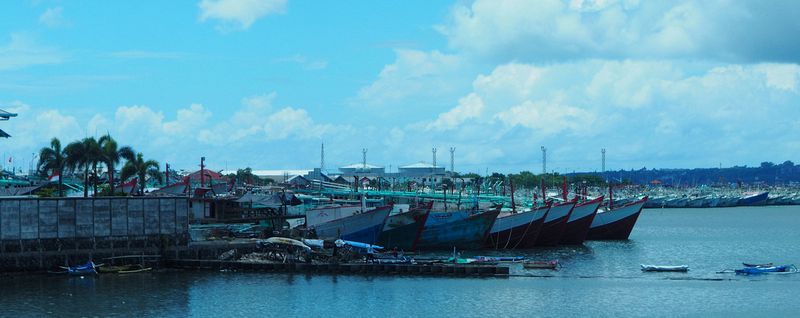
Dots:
pixel 602 278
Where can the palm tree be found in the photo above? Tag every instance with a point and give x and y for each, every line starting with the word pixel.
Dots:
pixel 84 154
pixel 53 159
pixel 112 155
pixel 140 168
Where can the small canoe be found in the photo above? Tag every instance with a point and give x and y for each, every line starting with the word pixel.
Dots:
pixel 540 264
pixel 138 270
pixel 757 265
pixel 504 259
pixel 765 270
pixel 665 268
pixel 80 270
pixel 122 269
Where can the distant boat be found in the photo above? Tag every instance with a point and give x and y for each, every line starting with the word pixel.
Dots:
pixel 540 264
pixel 403 230
pixel 579 222
pixel 665 268
pixel 754 199
pixel 765 270
pixel 364 227
pixel 517 230
pixel 616 224
pixel 173 189
pixel 462 229
pixel 129 187
pixel 554 224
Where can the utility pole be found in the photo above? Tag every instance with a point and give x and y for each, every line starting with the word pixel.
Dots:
pixel 364 157
pixel 452 160
pixel 603 151
pixel 434 156
pixel 544 160
pixel 322 158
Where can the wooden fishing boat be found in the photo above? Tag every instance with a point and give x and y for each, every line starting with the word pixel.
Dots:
pixel 122 269
pixel 540 264
pixel 766 270
pixel 665 268
pixel 757 265
pixel 403 230
pixel 80 270
pixel 463 229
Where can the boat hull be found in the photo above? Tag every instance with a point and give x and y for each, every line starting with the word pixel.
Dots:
pixel 754 200
pixel 462 232
pixel 516 230
pixel 363 228
pixel 579 222
pixel 616 224
pixel 554 224
pixel 403 230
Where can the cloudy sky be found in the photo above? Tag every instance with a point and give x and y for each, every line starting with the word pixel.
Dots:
pixel 262 83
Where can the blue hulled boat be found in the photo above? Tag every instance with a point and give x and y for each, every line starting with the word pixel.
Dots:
pixel 755 199
pixel 462 229
pixel 364 227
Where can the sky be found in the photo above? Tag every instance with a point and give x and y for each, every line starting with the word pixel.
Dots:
pixel 263 83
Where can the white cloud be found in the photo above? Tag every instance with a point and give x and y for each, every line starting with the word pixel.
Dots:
pixel 552 30
pixel 53 17
pixel 468 107
pixel 22 51
pixel 414 74
pixel 239 14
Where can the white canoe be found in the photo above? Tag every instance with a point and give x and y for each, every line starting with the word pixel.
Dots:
pixel 665 268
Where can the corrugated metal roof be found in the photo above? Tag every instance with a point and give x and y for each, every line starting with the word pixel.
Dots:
pixel 361 166
pixel 420 165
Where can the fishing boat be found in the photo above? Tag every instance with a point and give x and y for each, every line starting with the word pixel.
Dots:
pixel 123 269
pixel 665 268
pixel 554 224
pixel 80 270
pixel 500 259
pixel 540 264
pixel 579 222
pixel 755 199
pixel 757 265
pixel 403 230
pixel 364 227
pixel 517 230
pixel 616 224
pixel 768 269
pixel 462 229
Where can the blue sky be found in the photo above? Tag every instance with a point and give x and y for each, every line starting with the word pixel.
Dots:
pixel 263 83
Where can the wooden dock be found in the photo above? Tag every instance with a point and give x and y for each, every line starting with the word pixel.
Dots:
pixel 458 270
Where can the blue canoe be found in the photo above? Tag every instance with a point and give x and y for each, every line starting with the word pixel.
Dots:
pixel 765 270
pixel 86 269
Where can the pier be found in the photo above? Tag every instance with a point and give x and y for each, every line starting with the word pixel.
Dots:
pixel 353 269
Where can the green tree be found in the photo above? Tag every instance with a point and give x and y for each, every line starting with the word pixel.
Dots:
pixel 111 156
pixel 85 154
pixel 140 168
pixel 53 159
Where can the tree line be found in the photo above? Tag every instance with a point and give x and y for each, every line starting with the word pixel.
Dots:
pixel 87 155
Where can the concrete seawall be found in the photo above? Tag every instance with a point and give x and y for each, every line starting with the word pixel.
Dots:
pixel 43 233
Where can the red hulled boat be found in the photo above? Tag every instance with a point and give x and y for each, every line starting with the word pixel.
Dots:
pixel 554 224
pixel 517 230
pixel 616 224
pixel 579 222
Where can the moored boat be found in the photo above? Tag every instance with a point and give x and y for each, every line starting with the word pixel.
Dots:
pixel 754 199
pixel 765 270
pixel 616 224
pixel 554 224
pixel 403 230
pixel 516 230
pixel 540 264
pixel 463 229
pixel 579 222
pixel 665 268
pixel 364 227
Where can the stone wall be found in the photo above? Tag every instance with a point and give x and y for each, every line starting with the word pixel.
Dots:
pixel 40 233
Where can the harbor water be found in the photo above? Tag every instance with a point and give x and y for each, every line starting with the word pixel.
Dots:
pixel 598 279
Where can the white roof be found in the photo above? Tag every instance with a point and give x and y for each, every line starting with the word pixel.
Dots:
pixel 263 173
pixel 361 166
pixel 419 165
